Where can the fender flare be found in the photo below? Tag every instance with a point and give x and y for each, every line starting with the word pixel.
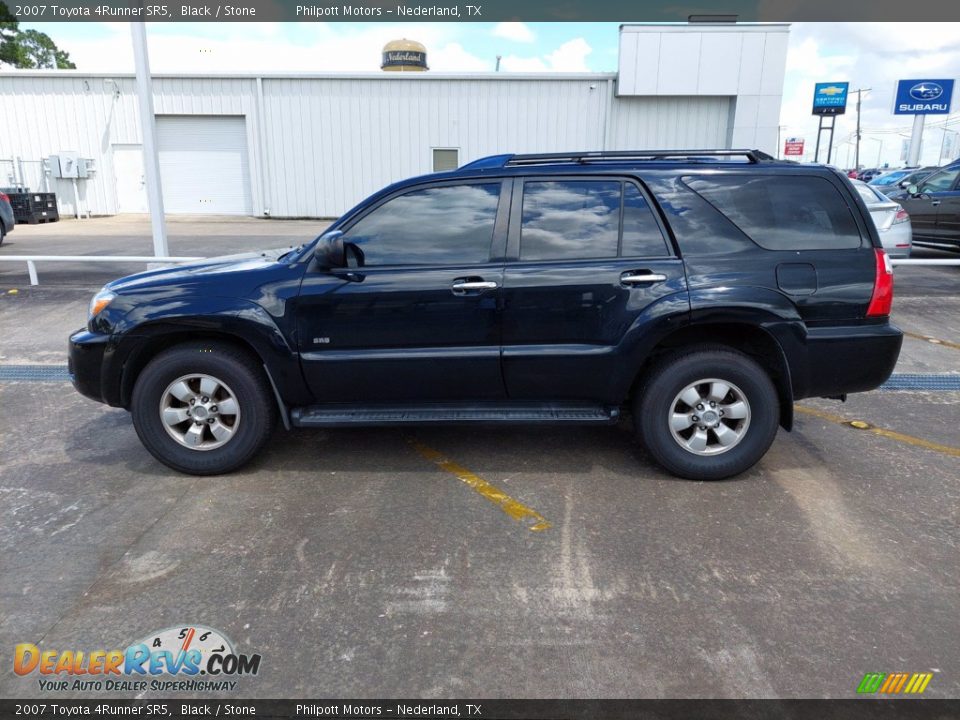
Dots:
pixel 237 320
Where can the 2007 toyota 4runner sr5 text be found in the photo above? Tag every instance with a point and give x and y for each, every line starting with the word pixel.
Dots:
pixel 702 291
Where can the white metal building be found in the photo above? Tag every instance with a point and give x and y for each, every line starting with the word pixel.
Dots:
pixel 312 145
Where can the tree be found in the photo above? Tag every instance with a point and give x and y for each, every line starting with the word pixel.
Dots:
pixel 28 48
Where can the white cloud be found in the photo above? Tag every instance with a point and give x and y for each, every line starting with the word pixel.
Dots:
pixel 453 58
pixel 569 57
pixel 867 55
pixel 516 31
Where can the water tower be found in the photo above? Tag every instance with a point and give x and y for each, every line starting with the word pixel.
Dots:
pixel 404 56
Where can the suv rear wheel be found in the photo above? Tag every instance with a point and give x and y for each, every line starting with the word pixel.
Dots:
pixel 706 413
pixel 202 408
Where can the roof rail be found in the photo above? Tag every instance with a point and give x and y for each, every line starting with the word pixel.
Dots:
pixel 752 156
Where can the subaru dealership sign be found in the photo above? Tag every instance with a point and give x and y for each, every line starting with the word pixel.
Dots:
pixel 923 97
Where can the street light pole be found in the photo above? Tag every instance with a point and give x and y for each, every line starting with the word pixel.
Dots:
pixel 856 160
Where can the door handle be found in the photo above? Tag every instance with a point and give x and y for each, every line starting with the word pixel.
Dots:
pixel 462 286
pixel 935 203
pixel 641 278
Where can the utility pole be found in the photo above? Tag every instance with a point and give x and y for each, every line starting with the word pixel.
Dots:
pixel 856 158
pixel 779 144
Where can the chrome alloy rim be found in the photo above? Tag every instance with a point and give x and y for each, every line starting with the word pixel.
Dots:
pixel 709 417
pixel 200 412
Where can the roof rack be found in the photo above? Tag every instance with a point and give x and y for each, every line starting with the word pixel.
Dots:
pixel 752 156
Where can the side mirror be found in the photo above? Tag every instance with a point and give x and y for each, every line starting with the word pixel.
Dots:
pixel 330 253
pixel 904 184
pixel 913 189
pixel 353 256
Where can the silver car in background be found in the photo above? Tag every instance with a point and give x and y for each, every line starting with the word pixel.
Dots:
pixel 892 221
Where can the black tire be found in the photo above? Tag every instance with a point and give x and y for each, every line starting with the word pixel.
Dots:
pixel 655 403
pixel 236 369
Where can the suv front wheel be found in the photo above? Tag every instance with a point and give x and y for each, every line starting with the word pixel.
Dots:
pixel 202 408
pixel 707 414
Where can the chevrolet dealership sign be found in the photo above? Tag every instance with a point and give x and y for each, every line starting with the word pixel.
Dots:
pixel 923 97
pixel 830 98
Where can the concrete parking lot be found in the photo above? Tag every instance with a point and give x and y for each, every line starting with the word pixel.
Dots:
pixel 374 563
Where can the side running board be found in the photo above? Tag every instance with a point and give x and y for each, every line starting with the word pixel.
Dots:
pixel 380 415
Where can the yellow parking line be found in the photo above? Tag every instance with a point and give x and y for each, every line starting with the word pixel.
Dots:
pixel 515 509
pixel 933 340
pixel 883 432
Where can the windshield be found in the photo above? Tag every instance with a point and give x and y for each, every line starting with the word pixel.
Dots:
pixel 889 178
pixel 916 176
pixel 869 195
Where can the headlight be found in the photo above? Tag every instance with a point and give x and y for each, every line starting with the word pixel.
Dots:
pixel 100 301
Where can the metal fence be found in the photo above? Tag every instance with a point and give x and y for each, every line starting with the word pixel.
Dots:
pixel 32 260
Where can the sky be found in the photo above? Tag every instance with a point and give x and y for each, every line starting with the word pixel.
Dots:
pixel 868 55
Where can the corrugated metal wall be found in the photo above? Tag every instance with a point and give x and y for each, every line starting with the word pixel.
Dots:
pixel 333 142
pixel 670 122
pixel 318 145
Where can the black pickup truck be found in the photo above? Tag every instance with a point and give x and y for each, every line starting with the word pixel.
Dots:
pixel 702 292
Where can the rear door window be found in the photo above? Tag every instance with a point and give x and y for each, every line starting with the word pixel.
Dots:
pixel 569 219
pixel 781 212
pixel 587 219
pixel 642 236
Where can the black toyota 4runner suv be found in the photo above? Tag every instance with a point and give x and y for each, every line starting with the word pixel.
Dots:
pixel 700 291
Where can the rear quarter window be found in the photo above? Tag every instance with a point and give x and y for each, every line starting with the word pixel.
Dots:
pixel 782 212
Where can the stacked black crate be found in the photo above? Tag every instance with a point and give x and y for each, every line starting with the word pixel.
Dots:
pixel 34 208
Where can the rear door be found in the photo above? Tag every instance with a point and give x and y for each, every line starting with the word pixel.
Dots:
pixel 586 256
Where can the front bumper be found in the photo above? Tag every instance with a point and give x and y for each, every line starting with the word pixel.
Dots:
pixel 85 363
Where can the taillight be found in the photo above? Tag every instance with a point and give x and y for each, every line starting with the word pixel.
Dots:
pixel 901 216
pixel 4 197
pixel 882 298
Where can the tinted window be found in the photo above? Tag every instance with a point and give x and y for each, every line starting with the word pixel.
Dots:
pixel 939 182
pixel 447 225
pixel 641 233
pixel 781 212
pixel 570 219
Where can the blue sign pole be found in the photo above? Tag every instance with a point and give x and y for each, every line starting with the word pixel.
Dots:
pixel 921 98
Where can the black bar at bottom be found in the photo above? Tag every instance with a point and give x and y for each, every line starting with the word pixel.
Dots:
pixel 852 709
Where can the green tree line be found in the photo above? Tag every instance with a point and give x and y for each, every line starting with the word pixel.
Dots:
pixel 28 48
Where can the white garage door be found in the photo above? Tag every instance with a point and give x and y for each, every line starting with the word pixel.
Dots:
pixel 204 164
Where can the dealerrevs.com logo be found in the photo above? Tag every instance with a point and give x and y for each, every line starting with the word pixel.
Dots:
pixel 895 683
pixel 184 658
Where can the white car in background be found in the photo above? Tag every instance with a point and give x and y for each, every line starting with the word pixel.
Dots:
pixel 892 221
